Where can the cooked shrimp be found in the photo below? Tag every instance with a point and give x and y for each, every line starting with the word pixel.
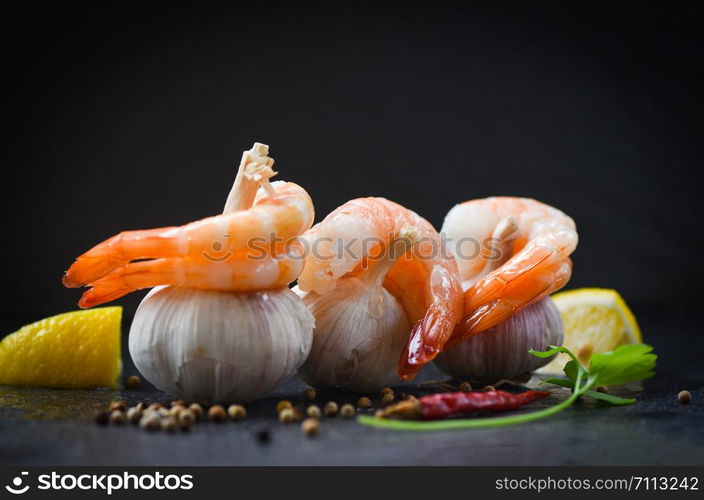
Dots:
pixel 249 247
pixel 511 252
pixel 425 282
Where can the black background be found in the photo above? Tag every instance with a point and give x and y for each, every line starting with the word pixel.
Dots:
pixel 134 115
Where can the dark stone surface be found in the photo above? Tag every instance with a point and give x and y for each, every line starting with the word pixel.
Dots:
pixel 55 427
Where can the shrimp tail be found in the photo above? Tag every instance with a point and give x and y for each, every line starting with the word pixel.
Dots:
pixel 436 327
pixel 102 293
pixel 117 251
pixel 87 269
pixel 132 277
pixel 426 341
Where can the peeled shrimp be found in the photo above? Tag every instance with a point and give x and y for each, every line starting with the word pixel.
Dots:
pixel 349 242
pixel 249 247
pixel 511 252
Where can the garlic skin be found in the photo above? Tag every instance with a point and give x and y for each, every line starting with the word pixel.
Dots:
pixel 501 352
pixel 360 332
pixel 215 346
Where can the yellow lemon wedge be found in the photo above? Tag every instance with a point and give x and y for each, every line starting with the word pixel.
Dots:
pixel 595 320
pixel 74 350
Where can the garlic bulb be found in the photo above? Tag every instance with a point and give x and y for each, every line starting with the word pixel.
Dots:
pixel 360 332
pixel 215 346
pixel 502 352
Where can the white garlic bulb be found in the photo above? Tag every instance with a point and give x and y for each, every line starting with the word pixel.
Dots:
pixel 216 346
pixel 501 352
pixel 360 332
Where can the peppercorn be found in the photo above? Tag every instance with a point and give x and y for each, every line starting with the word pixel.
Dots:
pixel 197 410
pixel 283 404
pixel 263 436
pixel 387 397
pixel 364 402
pixel 684 397
pixel 286 416
pixel 117 405
pixel 175 410
pixel 330 409
pixel 117 417
pixel 310 426
pixel 488 388
pixel 347 411
pixel 134 414
pixel 102 417
pixel 186 419
pixel 168 424
pixel 216 413
pixel 313 411
pixel 310 394
pixel 133 382
pixel 465 387
pixel 150 421
pixel 236 412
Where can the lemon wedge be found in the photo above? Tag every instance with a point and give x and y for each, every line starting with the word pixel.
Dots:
pixel 74 350
pixel 595 320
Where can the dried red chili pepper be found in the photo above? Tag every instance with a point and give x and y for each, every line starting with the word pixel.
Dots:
pixel 444 404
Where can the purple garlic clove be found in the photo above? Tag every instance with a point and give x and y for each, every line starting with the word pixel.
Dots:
pixel 501 352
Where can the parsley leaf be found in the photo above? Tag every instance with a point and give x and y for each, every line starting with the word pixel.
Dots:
pixel 628 363
pixel 571 369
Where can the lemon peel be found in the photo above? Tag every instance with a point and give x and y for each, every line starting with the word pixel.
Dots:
pixel 73 350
